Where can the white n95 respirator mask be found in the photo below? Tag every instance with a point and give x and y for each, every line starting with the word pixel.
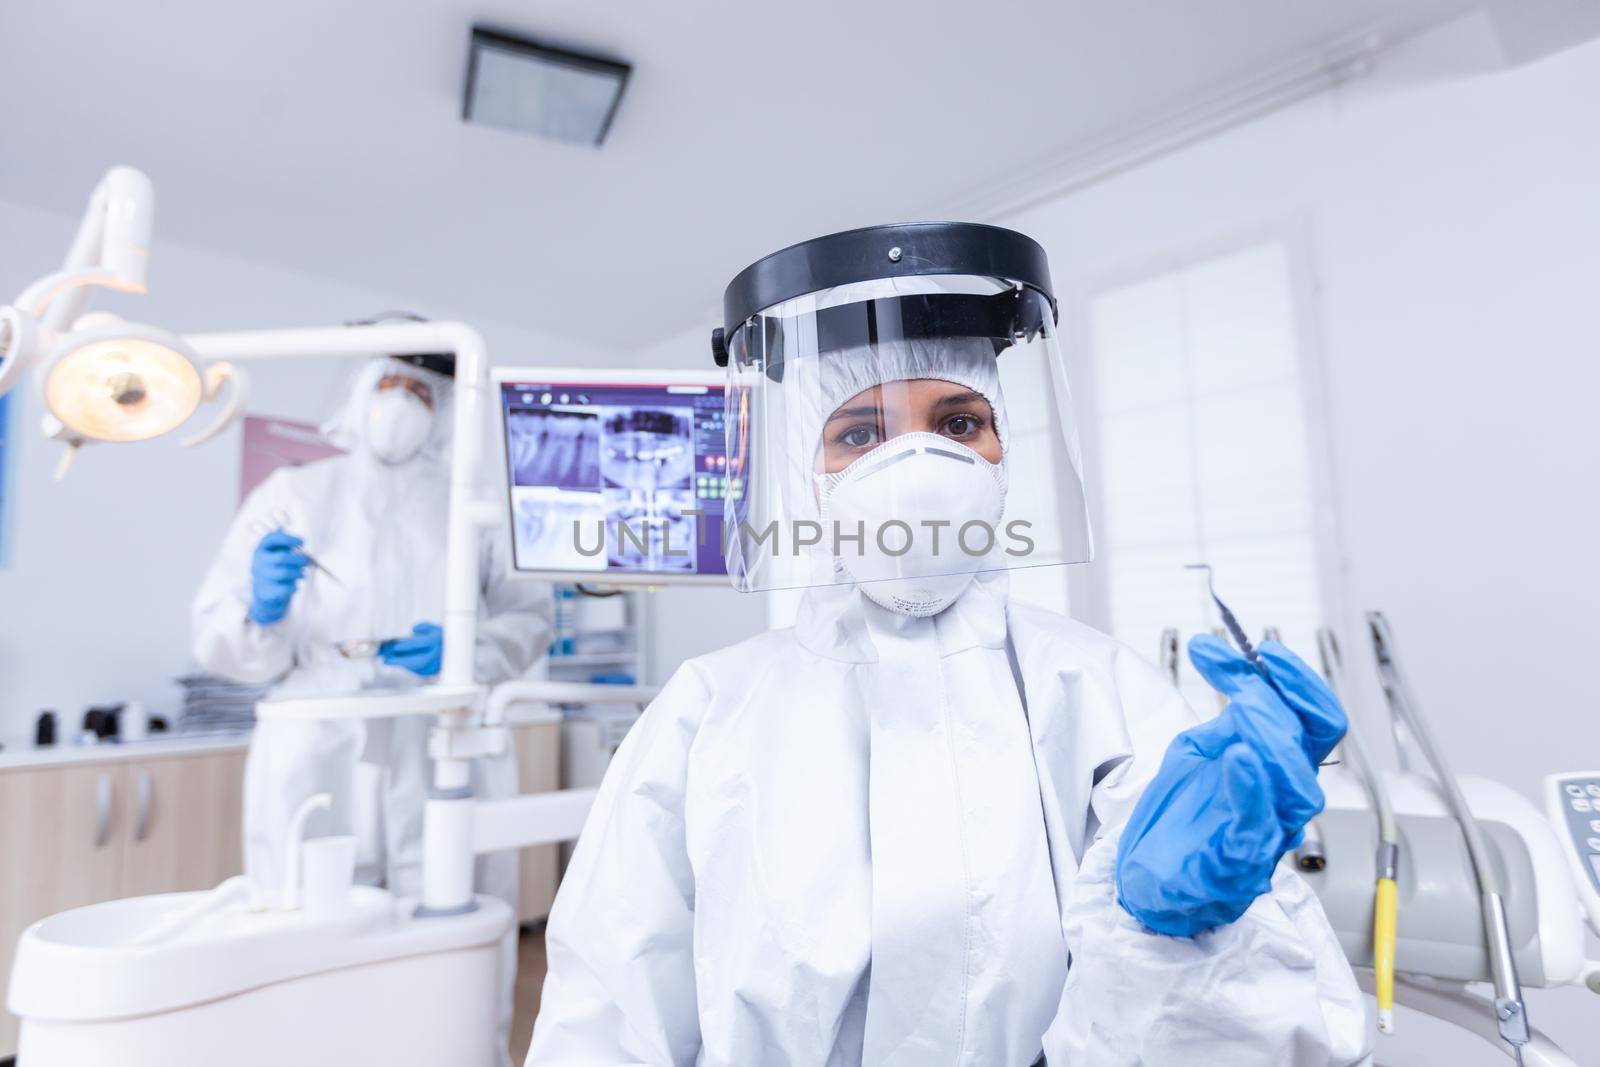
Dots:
pixel 398 425
pixel 912 521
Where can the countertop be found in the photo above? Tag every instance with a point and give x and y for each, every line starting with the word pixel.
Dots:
pixel 17 756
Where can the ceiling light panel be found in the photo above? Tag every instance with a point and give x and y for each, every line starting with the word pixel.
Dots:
pixel 526 87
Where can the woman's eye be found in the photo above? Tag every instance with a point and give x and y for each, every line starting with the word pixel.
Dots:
pixel 962 426
pixel 858 437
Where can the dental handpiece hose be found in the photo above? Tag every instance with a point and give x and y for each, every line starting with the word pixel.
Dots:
pixel 1511 1010
pixel 1386 898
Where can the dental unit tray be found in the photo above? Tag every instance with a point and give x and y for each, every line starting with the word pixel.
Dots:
pixel 376 703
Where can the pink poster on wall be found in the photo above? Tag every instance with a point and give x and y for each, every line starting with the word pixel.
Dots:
pixel 273 443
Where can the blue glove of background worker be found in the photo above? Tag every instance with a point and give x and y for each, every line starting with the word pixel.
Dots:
pixel 275 567
pixel 1232 795
pixel 420 653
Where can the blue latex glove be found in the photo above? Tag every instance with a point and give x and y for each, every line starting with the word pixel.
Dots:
pixel 275 568
pixel 1232 795
pixel 420 653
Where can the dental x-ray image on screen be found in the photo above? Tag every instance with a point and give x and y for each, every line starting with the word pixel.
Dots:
pixel 616 477
pixel 647 457
pixel 648 448
pixel 554 448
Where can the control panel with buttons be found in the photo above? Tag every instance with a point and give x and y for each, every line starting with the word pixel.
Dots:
pixel 1572 800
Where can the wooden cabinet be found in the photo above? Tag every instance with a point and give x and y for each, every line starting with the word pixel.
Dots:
pixel 186 823
pixel 60 843
pixel 538 748
pixel 78 833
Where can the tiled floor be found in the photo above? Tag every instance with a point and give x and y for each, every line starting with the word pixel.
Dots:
pixel 530 979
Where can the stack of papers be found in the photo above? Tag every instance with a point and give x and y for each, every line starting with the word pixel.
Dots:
pixel 213 704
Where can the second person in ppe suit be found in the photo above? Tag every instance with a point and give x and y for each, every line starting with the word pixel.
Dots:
pixel 376 519
pixel 889 834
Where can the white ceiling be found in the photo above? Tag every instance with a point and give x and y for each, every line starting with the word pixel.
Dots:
pixel 325 136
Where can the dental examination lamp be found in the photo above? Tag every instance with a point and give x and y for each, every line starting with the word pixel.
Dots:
pixel 103 379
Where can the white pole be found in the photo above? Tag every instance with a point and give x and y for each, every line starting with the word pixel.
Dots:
pixel 531 819
pixel 546 692
pixel 447 846
pixel 466 461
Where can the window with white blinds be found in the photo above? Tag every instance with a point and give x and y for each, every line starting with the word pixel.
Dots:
pixel 1205 452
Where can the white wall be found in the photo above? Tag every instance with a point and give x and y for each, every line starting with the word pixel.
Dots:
pixel 94 603
pixel 1453 211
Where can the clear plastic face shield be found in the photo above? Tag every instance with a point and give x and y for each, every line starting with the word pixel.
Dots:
pixel 902 433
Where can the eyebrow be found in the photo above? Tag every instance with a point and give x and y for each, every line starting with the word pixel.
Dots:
pixel 856 413
pixel 958 399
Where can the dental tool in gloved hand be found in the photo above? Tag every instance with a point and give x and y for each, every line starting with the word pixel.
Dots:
pixel 276 567
pixel 1232 795
pixel 421 653
pixel 278 523
pixel 1240 638
pixel 363 647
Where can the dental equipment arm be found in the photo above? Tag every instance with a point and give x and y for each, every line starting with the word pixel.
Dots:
pixel 1510 1008
pixel 1386 896
pixel 542 818
pixel 509 693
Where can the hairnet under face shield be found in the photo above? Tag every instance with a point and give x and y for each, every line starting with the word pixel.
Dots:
pixel 909 427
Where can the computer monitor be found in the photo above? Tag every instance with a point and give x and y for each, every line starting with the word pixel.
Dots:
pixel 615 477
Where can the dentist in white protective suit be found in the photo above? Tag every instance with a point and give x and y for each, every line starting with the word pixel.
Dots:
pixel 890 834
pixel 376 519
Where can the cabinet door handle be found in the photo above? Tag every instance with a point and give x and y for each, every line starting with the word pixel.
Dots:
pixel 142 797
pixel 102 811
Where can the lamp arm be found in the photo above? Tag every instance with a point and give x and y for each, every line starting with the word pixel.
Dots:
pixel 111 248
pixel 216 376
pixel 42 300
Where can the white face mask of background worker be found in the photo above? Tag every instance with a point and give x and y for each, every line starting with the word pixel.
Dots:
pixel 398 423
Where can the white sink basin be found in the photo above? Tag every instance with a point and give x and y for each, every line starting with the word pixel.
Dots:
pixel 83 964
